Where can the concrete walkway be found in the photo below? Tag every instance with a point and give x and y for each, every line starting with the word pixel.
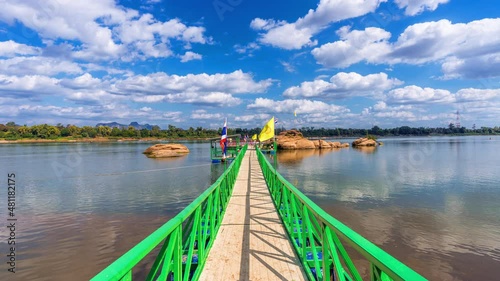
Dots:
pixel 252 244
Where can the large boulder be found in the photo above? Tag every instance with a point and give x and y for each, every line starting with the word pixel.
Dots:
pixel 339 145
pixel 293 139
pixel 291 134
pixel 364 142
pixel 316 143
pixel 324 144
pixel 166 150
pixel 305 144
pixel 287 145
pixel 335 144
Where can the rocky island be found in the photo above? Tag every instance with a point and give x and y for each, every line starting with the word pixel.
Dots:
pixel 293 139
pixel 166 150
pixel 364 142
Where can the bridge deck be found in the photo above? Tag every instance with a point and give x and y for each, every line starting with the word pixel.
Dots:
pixel 252 243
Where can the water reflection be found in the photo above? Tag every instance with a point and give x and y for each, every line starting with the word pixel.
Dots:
pixel 439 246
pixel 72 246
pixel 217 169
pixel 431 202
pixel 296 156
pixel 83 205
pixel 366 149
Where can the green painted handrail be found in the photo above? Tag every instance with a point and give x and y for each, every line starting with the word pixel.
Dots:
pixel 187 238
pixel 316 237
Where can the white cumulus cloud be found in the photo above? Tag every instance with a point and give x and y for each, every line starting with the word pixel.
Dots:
pixel 415 7
pixel 302 106
pixel 105 31
pixel 415 94
pixel 189 56
pixel 37 65
pixel 27 86
pixel 298 34
pixel 370 45
pixel 204 115
pixel 343 85
pixel 85 81
pixel 473 95
pixel 468 50
pixel 211 98
pixel 237 82
pixel 12 49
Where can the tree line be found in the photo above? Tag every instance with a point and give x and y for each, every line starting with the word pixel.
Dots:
pixel 398 131
pixel 12 131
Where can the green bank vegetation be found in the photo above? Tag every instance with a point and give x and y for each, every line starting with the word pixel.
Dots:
pixel 11 131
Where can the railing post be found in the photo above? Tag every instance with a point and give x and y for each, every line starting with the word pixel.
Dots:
pixel 127 277
pixel 327 257
pixel 178 255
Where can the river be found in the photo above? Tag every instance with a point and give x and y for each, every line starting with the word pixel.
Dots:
pixel 433 203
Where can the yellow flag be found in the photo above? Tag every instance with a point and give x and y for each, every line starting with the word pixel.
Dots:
pixel 295 113
pixel 254 137
pixel 268 131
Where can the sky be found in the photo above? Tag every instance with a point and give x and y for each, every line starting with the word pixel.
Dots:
pixel 193 63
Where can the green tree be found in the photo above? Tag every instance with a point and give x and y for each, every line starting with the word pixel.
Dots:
pixel 104 131
pixel 53 132
pixel 115 132
pixel 39 131
pixel 132 132
pixel 65 132
pixel 376 131
pixel 25 132
pixel 405 130
pixel 155 131
pixel 144 133
pixel 74 130
pixel 89 132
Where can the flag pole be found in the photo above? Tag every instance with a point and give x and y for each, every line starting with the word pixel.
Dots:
pixel 275 148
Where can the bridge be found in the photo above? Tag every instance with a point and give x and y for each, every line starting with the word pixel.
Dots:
pixel 252 224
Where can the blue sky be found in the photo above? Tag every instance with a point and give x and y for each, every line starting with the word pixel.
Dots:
pixel 336 63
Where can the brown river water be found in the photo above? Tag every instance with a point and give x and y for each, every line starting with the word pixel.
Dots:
pixel 433 203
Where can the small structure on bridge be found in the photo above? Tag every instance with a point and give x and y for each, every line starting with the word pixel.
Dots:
pixel 233 147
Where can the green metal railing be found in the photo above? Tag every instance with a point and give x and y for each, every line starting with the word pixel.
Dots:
pixel 187 238
pixel 316 237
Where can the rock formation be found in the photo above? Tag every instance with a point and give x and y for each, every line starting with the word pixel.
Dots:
pixel 364 142
pixel 166 150
pixel 339 145
pixel 293 139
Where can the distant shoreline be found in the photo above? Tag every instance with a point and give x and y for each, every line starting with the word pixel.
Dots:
pixel 88 140
pixel 153 139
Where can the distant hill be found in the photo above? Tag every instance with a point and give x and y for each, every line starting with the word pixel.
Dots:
pixel 120 126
